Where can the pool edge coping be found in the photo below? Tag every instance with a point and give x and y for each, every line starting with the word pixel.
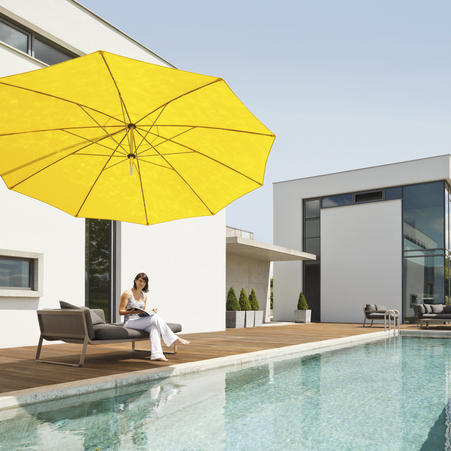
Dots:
pixel 29 396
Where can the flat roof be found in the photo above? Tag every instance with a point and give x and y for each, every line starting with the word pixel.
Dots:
pixel 264 251
pixel 362 169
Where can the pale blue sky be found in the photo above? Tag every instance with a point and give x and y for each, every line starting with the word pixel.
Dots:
pixel 343 84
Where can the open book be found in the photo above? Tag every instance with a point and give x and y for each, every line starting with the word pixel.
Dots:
pixel 142 313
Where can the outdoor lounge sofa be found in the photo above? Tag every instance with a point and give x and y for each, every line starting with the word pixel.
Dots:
pixel 86 326
pixel 430 313
pixel 372 312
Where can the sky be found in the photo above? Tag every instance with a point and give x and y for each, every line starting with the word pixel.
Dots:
pixel 343 84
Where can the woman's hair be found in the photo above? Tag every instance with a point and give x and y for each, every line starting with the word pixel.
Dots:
pixel 143 276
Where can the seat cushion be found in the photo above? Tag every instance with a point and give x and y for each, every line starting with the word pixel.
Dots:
pixel 114 332
pixel 118 332
pixel 375 315
pixel 381 308
pixel 444 316
pixel 370 307
pixel 428 308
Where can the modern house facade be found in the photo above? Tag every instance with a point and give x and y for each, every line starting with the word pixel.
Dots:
pixel 47 255
pixel 381 236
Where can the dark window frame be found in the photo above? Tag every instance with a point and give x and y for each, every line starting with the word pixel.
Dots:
pixel 31 273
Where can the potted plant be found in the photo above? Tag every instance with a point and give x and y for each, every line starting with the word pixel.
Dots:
pixel 302 314
pixel 258 314
pixel 246 306
pixel 234 315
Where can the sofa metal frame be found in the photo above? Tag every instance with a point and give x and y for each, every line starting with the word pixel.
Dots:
pixel 69 325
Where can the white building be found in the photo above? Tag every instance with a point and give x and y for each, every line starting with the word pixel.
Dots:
pixel 381 235
pixel 46 255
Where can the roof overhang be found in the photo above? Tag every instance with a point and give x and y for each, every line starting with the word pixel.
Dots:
pixel 263 251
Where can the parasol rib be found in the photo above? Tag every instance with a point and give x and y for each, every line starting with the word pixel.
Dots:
pixel 60 98
pixel 178 97
pixel 56 129
pixel 49 165
pixel 165 139
pixel 181 177
pixel 97 178
pixel 211 158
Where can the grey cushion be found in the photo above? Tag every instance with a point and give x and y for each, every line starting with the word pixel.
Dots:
pixel 420 309
pixel 97 315
pixel 112 332
pixel 375 316
pixel 117 331
pixel 370 307
pixel 381 308
pixel 428 308
pixel 437 316
pixel 437 308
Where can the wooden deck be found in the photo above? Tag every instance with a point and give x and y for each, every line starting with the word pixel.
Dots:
pixel 18 369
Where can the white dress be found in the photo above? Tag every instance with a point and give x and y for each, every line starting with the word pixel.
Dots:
pixel 152 324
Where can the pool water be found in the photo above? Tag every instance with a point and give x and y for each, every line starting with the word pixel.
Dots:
pixel 387 395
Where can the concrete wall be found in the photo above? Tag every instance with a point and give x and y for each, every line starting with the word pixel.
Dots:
pixel 248 273
pixel 361 259
pixel 185 259
pixel 287 199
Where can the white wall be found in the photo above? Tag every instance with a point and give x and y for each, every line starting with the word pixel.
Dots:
pixel 32 226
pixel 185 261
pixel 361 259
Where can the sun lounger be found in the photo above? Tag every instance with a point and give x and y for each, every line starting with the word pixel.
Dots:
pixel 87 327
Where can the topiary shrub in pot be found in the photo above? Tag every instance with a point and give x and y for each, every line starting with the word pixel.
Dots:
pixel 258 314
pixel 302 314
pixel 246 306
pixel 234 316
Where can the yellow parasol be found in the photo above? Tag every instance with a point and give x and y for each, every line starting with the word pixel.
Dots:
pixel 109 137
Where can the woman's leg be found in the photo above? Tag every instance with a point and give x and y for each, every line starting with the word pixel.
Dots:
pixel 158 330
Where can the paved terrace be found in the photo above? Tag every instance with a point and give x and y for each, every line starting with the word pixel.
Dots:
pixel 18 369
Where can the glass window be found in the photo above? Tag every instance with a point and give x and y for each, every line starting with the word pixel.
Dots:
pixel 98 264
pixel 368 197
pixel 312 287
pixel 312 228
pixel 312 245
pixel 13 37
pixel 446 217
pixel 16 273
pixel 47 53
pixel 423 213
pixel 311 208
pixel 336 201
pixel 393 193
pixel 424 282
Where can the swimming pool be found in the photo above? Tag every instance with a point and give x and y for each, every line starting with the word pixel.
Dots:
pixel 391 394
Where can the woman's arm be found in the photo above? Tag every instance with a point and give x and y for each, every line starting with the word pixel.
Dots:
pixel 123 305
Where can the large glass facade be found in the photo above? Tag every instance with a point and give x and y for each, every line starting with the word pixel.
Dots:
pixel 425 219
pixel 426 228
pixel 98 266
pixel 311 238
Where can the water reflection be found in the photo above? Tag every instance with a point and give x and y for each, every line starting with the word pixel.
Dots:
pixel 391 394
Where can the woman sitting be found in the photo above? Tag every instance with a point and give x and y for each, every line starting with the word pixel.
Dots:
pixel 135 299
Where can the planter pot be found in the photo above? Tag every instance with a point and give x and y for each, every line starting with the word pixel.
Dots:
pixel 249 321
pixel 258 317
pixel 302 316
pixel 235 319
